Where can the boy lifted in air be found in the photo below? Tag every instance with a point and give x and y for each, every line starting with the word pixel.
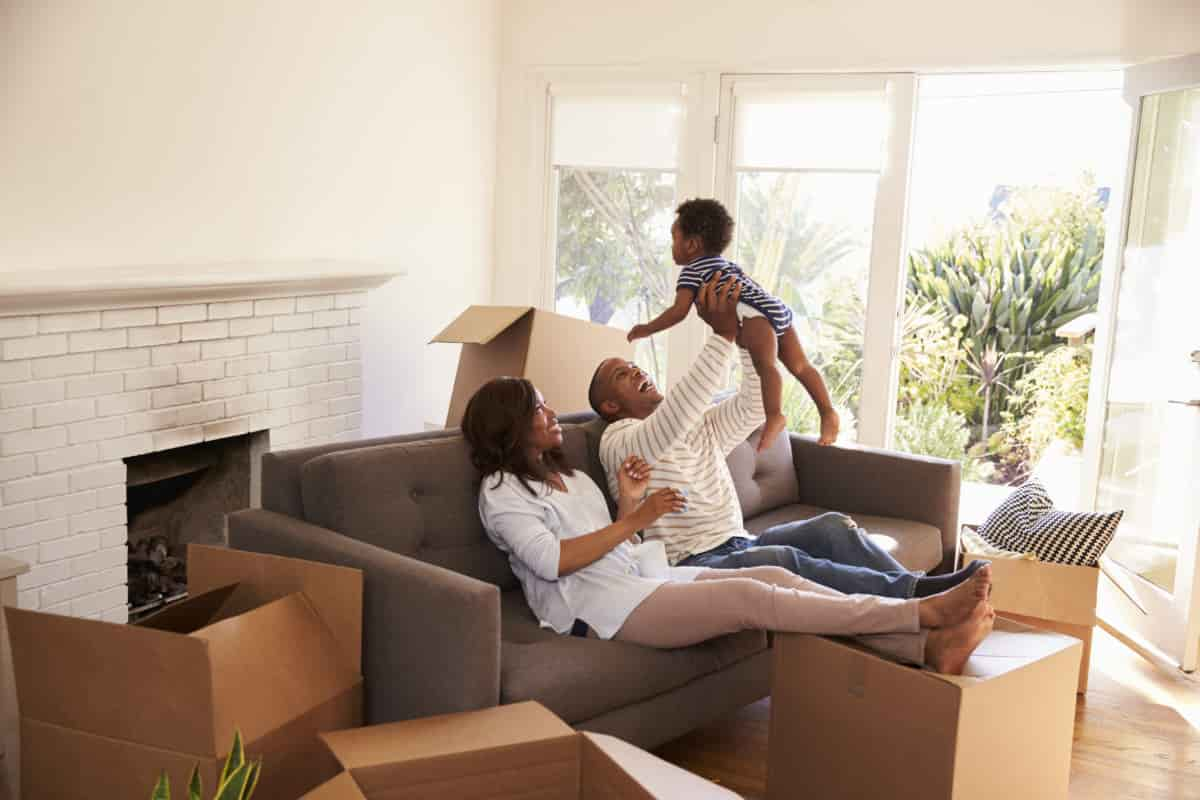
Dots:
pixel 702 231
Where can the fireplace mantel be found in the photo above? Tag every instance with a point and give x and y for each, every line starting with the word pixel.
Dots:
pixel 49 291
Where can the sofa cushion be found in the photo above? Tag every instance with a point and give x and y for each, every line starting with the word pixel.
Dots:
pixel 763 481
pixel 418 498
pixel 916 545
pixel 580 678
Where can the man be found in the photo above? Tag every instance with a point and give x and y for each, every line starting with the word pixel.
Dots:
pixel 685 439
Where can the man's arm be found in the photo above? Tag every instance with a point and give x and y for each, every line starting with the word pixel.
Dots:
pixel 682 410
pixel 684 406
pixel 731 421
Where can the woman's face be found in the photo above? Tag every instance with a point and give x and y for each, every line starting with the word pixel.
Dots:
pixel 544 431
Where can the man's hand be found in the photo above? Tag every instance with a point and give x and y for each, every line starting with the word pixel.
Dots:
pixel 716 304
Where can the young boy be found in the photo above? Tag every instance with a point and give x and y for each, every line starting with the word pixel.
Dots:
pixel 702 231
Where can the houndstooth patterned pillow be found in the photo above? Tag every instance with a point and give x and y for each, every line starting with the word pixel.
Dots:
pixel 1026 522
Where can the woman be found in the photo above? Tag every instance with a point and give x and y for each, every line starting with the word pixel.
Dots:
pixel 578 567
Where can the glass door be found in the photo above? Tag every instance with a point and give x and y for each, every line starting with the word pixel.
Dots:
pixel 813 169
pixel 1145 438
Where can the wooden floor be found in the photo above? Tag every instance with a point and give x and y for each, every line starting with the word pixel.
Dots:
pixel 1137 734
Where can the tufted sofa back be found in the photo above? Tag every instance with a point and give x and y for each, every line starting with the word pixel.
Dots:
pixel 418 495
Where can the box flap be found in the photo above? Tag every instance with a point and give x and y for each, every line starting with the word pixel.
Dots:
pixel 446 734
pixel 480 324
pixel 564 353
pixel 185 617
pixel 267 664
pixel 1008 647
pixel 126 666
pixel 1061 592
pixel 334 592
pixel 342 787
pixel 612 768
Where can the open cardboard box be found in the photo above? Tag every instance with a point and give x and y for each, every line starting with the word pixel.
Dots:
pixel 557 353
pixel 847 723
pixel 268 645
pixel 502 753
pixel 1056 597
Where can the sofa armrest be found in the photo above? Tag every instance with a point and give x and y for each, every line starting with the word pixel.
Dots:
pixel 431 636
pixel 866 480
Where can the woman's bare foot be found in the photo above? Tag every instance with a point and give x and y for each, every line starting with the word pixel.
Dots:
pixel 955 605
pixel 947 649
pixel 775 425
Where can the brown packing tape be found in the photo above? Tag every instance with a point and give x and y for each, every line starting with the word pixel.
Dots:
pixel 124 664
pixel 101 767
pixel 334 592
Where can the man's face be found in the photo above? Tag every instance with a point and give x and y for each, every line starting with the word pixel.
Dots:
pixel 628 391
pixel 684 250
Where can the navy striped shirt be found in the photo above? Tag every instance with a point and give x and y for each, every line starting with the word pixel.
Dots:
pixel 699 271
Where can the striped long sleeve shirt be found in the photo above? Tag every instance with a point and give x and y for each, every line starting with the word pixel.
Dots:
pixel 685 441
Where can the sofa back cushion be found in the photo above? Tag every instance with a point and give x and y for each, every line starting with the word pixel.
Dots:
pixel 418 498
pixel 764 481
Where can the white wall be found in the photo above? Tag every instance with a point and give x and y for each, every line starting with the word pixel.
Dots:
pixel 794 35
pixel 190 131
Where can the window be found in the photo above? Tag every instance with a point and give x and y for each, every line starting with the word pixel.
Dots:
pixel 614 175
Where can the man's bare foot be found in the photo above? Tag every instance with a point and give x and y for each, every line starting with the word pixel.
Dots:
pixel 953 606
pixel 775 425
pixel 947 649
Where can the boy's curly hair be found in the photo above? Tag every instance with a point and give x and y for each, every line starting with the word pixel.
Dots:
pixel 708 219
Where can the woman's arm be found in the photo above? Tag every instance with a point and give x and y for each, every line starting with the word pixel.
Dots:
pixel 579 551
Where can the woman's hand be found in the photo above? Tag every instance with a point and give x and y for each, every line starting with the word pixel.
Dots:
pixel 664 501
pixel 633 478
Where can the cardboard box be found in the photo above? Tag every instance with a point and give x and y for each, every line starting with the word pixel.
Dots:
pixel 1055 597
pixel 846 723
pixel 268 645
pixel 558 353
pixel 502 753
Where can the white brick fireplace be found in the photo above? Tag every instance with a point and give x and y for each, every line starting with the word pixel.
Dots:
pixel 117 364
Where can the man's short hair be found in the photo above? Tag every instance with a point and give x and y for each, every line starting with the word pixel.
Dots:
pixel 594 398
pixel 708 219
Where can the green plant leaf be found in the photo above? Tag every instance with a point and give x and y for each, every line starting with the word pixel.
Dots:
pixel 252 781
pixel 233 786
pixel 162 789
pixel 237 758
pixel 196 785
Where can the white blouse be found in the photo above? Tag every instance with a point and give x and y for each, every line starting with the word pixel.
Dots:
pixel 529 528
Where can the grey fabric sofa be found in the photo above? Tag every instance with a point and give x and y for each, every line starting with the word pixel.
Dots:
pixel 446 627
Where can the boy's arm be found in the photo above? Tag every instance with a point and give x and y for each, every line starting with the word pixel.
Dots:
pixel 733 419
pixel 674 315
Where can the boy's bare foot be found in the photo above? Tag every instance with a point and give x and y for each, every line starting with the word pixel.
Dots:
pixel 775 425
pixel 953 606
pixel 947 649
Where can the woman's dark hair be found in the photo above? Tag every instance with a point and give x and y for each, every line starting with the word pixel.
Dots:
pixel 708 219
pixel 496 427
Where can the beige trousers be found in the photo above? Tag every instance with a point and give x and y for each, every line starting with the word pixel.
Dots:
pixel 771 598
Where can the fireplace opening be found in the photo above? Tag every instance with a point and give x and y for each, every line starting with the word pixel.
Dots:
pixel 175 498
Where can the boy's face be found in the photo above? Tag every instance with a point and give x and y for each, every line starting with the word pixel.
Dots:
pixel 684 250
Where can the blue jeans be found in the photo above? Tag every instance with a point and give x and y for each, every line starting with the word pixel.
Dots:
pixel 829 549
